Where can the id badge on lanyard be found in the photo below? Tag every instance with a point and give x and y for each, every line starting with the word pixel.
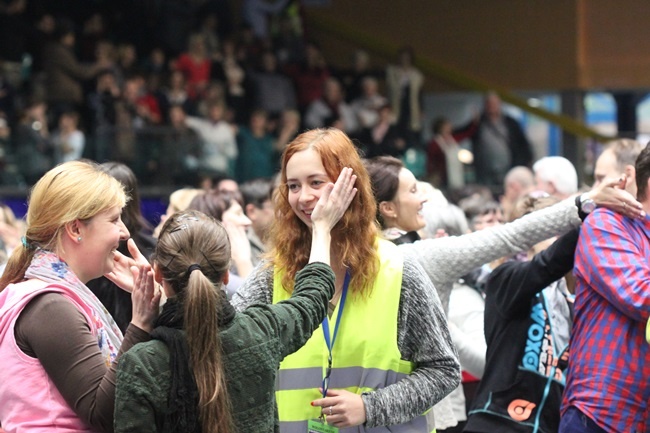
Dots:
pixel 320 425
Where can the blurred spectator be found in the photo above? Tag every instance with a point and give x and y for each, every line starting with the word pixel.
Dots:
pixel 8 97
pixel 518 182
pixel 14 28
pixel 273 90
pixel 155 63
pixel 232 73
pixel 68 140
pixel 127 61
pixel 178 200
pixel 225 184
pixel 5 141
pixel 174 92
pixel 41 33
pixel 330 108
pixel 214 94
pixel 102 106
pixel 288 43
pixel 288 128
pixel 445 157
pixel 11 230
pixel 498 143
pixel 256 13
pixel 209 29
pixel 366 106
pixel 31 141
pixel 309 76
pixel 258 207
pixel 353 78
pixel 195 66
pixel 141 104
pixel 384 138
pixel 65 74
pixel 218 143
pixel 179 152
pixel 93 31
pixel 255 149
pixel 556 176
pixel 404 82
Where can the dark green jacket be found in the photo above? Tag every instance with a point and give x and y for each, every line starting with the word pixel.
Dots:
pixel 253 343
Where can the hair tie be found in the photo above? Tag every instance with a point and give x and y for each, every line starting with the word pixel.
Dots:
pixel 193 267
pixel 28 245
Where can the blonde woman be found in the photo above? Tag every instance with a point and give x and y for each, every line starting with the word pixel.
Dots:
pixel 58 345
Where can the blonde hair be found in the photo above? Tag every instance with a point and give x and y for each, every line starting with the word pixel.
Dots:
pixel 75 190
pixel 193 238
pixel 181 198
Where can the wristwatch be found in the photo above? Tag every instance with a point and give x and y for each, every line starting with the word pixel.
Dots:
pixel 585 206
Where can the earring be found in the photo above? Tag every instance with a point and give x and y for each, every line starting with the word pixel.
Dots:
pixel 79 239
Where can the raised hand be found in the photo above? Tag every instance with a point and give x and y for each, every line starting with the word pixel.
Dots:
pixel 611 194
pixel 122 274
pixel 331 206
pixel 145 298
pixel 334 201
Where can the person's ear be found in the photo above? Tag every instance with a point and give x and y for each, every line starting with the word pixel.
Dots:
pixel 387 209
pixel 73 231
pixel 249 211
pixel 630 173
pixel 157 273
pixel 226 278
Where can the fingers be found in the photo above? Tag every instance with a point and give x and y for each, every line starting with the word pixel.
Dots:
pixel 344 189
pixel 616 182
pixel 135 252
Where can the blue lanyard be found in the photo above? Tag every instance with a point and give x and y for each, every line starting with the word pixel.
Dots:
pixel 326 332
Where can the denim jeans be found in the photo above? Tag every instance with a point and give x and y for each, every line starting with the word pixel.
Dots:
pixel 575 421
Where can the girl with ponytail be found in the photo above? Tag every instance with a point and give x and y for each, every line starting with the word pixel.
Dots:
pixel 208 368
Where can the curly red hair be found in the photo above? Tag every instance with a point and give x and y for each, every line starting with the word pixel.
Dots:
pixel 355 235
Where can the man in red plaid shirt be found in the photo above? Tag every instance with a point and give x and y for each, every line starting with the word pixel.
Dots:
pixel 608 383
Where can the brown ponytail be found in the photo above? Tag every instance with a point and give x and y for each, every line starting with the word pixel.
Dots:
pixel 192 238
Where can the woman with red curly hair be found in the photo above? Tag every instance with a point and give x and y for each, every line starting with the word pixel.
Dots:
pixel 384 355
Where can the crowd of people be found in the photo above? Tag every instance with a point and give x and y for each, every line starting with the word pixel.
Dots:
pixel 243 308
pixel 303 277
pixel 227 101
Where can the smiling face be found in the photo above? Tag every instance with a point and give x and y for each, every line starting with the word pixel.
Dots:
pixel 306 178
pixel 100 237
pixel 408 203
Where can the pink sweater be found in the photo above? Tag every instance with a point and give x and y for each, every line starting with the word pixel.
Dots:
pixel 29 401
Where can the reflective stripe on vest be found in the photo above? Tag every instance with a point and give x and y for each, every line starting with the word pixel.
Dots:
pixel 365 355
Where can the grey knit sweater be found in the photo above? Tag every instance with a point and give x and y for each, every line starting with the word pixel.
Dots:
pixel 445 260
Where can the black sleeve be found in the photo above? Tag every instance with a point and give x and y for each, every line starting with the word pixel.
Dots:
pixel 513 284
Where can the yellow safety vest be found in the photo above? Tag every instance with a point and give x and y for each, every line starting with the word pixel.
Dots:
pixel 365 355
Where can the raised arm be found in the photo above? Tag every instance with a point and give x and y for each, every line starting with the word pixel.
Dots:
pixel 295 319
pixel 447 259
